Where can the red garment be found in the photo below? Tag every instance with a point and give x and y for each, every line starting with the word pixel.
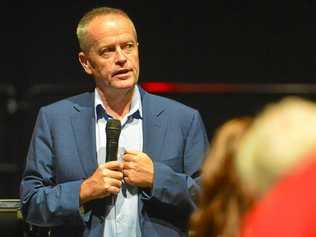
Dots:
pixel 288 210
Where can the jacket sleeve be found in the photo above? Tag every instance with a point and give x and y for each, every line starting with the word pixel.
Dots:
pixel 43 201
pixel 180 189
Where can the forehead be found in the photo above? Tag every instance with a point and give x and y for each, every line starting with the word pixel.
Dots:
pixel 111 26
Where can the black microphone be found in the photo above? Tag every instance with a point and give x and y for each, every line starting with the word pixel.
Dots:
pixel 113 130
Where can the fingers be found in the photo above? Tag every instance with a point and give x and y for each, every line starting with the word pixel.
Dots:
pixel 130 157
pixel 127 177
pixel 113 165
pixel 113 182
pixel 138 169
pixel 96 187
pixel 113 190
pixel 132 152
pixel 112 174
pixel 112 185
pixel 133 156
pixel 129 165
pixel 106 180
pixel 112 170
pixel 125 173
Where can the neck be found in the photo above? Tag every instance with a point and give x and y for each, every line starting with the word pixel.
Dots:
pixel 117 103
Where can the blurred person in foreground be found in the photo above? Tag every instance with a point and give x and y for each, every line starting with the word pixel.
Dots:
pixel 222 201
pixel 276 163
pixel 246 160
pixel 68 185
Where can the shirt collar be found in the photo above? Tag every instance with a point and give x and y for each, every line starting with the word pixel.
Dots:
pixel 135 110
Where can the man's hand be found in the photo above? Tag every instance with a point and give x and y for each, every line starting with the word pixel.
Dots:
pixel 138 169
pixel 106 180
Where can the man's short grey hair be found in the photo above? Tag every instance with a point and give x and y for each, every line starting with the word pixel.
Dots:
pixel 82 34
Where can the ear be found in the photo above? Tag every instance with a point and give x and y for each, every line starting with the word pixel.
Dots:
pixel 85 63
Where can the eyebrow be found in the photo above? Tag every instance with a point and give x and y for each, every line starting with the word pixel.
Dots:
pixel 120 43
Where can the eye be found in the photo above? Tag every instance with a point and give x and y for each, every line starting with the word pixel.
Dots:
pixel 128 47
pixel 107 51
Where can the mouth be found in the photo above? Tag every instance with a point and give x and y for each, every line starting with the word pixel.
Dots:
pixel 121 72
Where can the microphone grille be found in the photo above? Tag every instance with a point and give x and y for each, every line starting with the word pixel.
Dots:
pixel 113 129
pixel 113 124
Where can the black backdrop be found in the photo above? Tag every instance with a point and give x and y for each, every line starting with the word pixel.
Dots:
pixel 197 41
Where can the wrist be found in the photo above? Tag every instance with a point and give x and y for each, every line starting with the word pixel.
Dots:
pixel 85 192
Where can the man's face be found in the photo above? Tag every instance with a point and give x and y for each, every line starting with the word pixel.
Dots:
pixel 112 58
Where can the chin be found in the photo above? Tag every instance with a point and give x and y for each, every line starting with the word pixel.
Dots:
pixel 123 88
pixel 124 84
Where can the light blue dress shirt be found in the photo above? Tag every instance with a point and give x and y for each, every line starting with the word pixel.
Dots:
pixel 122 219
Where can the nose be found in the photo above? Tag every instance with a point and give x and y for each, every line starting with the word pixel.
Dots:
pixel 120 56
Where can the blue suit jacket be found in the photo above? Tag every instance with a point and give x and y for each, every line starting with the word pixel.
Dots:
pixel 62 154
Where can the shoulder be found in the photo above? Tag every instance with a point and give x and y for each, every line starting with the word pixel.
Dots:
pixel 69 104
pixel 176 114
pixel 171 105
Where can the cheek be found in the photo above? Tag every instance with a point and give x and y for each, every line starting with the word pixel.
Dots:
pixel 135 62
pixel 105 69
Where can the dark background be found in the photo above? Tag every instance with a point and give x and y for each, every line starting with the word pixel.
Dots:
pixel 226 41
pixel 197 41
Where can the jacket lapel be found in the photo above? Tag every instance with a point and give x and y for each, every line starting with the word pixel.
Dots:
pixel 154 132
pixel 83 122
pixel 154 125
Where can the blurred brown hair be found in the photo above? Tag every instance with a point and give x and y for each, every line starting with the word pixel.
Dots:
pixel 222 200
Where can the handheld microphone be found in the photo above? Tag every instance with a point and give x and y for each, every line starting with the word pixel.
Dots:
pixel 113 130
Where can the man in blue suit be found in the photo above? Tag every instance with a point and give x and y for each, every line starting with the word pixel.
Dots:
pixel 150 190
